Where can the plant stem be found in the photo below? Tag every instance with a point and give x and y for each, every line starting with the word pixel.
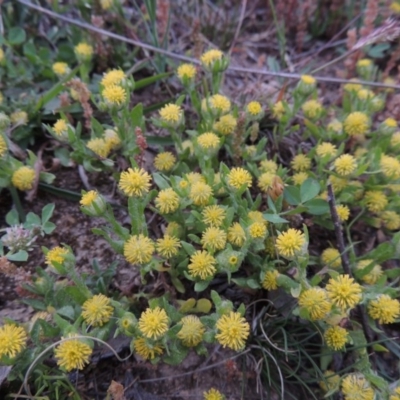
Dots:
pixel 17 203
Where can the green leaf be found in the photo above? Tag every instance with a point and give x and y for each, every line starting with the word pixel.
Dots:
pixel 292 195
pixel 309 189
pixel 317 206
pixel 12 217
pixel 32 220
pixel 160 181
pixel 137 115
pixel 21 255
pixel 187 306
pixel 201 286
pixel 75 294
pixel 203 306
pixel 67 311
pixel 188 248
pixel 151 79
pixel 47 212
pixel 16 36
pixel 275 218
pixel 215 297
pixel 392 273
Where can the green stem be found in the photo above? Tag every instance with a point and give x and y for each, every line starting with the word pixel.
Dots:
pixel 17 203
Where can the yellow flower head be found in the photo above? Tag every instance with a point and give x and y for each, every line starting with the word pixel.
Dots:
pixel 12 340
pixel 330 382
pixel 213 394
pixel 236 234
pixel 112 139
pixel 233 331
pixel 353 87
pixel 2 56
pixel 335 126
pixel 364 62
pixel 326 149
pixel 365 94
pixel 390 167
pixel 344 292
pixel 193 177
pixel 299 178
pixel 343 212
pixel 213 238
pixel 312 109
pixel 114 95
pixel 356 387
pixel 56 254
pixel 345 164
pixel 336 337
pixel 266 181
pixel 89 198
pixel 226 124
pixel 72 354
pixel 213 215
pixel 395 7
pixel 254 108
pixel 373 275
pixel 268 166
pixel 338 184
pixel 210 57
pixel 138 249
pixel 168 246
pixel 375 201
pixel 301 163
pixel 256 216
pixel 278 110
pixel 384 309
pixel 60 127
pixel 391 220
pixel 134 182
pixel 164 161
pixel 97 311
pixel 83 51
pixel 173 229
pixel 99 146
pixel 257 230
pixel 202 265
pixel 219 103
pixel 19 117
pixel 167 201
pixel 239 177
pixel 186 72
pixel 395 139
pixel 3 146
pixel 396 392
pixel 208 140
pixel 106 4
pixel 315 301
pixel 154 323
pixel 331 257
pixel 269 282
pixel 308 79
pixel 172 114
pixel 356 123
pixel 290 243
pixel 200 193
pixel 192 331
pixel 147 351
pixel 60 68
pixel 113 77
pixel 23 178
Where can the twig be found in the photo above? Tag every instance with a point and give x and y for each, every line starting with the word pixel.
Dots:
pixel 239 25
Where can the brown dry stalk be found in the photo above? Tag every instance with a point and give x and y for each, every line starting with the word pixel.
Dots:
pixel 142 145
pixel 370 14
pixel 83 97
pixel 394 57
pixel 162 17
pixel 302 24
pixel 351 59
pixel 238 137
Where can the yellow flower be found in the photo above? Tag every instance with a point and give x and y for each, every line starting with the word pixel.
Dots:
pixel 239 177
pixel 266 181
pixel 210 57
pixel 338 184
pixel 12 340
pixel 220 103
pixel 60 68
pixel 353 87
pixel 97 311
pixel 278 110
pixel 289 243
pixel 396 392
pixel 356 123
pixel 390 167
pixel 331 257
pixel 269 282
pixel 193 177
pixel 168 246
pixel 23 178
pixel 146 350
pixel 236 234
pixel 99 146
pixel 257 216
pixel 167 201
pixel 83 51
pixel 3 146
pixel 19 117
pixel 60 127
pixel 257 230
pixel 335 126
pixel 395 139
pixel 365 94
pixel 2 56
pixel 306 85
pixel 364 62
pixel 226 124
pixel 173 229
pixel 343 212
pixel 384 309
pixel 171 113
pixel 134 182
pixel 233 331
pixel 114 95
pixel 213 215
pixel 395 7
pixel 326 149
pixel 112 139
pixel 336 337
pixel 356 387
pixel 308 79
pixel 390 123
pixel 164 161
pixel 330 382
pixel 391 220
pixel 254 108
pixel 345 164
pixel 312 109
pixel 200 193
pixel 233 260
pixel 154 323
pixel 72 354
pixel 299 178
pixel 371 277
pixel 268 166
pixel 89 198
pixel 113 77
pixel 138 249
pixel 106 4
pixel 202 264
pixel 56 254
pixel 375 201
pixel 208 140
pixel 213 238
pixel 316 302
pixel 301 163
pixel 344 292
pixel 192 331
pixel 186 71
pixel 213 394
